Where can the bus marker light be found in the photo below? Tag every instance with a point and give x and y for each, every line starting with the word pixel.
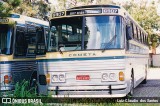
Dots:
pixel 121 76
pixel 6 79
pixel 48 78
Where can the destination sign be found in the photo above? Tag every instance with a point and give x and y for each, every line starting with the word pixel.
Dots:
pixel 80 12
pixel 57 14
pixel 87 11
pixel 4 20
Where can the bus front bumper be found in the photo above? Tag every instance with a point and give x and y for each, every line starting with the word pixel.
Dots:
pixel 110 91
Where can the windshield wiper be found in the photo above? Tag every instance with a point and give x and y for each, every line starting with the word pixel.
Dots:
pixel 109 43
pixel 77 47
pixel 60 51
pixel 59 48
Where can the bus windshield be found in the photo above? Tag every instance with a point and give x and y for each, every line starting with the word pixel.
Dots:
pixel 87 33
pixel 5 39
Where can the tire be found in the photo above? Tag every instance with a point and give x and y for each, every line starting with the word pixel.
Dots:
pixel 145 80
pixel 131 86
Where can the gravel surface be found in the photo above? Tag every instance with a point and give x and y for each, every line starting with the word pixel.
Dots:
pixel 152 87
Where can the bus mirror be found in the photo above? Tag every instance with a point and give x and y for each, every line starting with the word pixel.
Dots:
pixel 128 32
pixel 53 29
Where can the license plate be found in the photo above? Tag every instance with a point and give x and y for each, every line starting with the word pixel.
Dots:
pixel 82 77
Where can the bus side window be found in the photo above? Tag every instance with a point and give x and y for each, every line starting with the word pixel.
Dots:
pixel 139 35
pixel 20 43
pixel 142 36
pixel 132 30
pixel 146 39
pixel 135 31
pixel 40 36
pixel 31 44
pixel 129 32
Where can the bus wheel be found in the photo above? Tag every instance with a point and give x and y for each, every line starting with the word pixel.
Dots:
pixel 131 85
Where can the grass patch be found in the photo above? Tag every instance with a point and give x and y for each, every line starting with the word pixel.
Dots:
pixel 23 89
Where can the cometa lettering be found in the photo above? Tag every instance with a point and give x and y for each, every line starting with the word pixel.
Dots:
pixel 82 55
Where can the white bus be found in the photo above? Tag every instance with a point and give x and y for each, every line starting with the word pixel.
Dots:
pixel 22 38
pixel 93 51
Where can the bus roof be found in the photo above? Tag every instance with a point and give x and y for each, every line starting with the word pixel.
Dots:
pixel 35 20
pixel 22 19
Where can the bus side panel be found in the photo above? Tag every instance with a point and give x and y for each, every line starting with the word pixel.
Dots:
pixel 23 70
pixel 138 64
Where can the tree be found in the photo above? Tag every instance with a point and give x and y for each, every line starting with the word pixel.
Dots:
pixel 27 8
pixel 147 17
pixel 36 8
pixel 8 6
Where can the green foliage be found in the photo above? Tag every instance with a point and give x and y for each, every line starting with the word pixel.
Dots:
pixel 8 6
pixel 43 8
pixel 34 9
pixel 22 89
pixel 4 9
pixel 147 17
pixel 14 3
pixel 154 40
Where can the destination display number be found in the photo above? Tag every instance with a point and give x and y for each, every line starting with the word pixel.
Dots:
pixel 107 10
pixel 58 14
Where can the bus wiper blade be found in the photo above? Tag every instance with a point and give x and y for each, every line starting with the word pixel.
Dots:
pixel 60 51
pixel 109 43
pixel 77 47
pixel 59 48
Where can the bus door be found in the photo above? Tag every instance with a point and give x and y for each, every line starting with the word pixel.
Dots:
pixel 36 42
pixel 24 64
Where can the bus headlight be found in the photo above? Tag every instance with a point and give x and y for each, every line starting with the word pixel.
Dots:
pixel 58 77
pixel 62 78
pixel 54 78
pixel 108 77
pixel 112 76
pixel 104 76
